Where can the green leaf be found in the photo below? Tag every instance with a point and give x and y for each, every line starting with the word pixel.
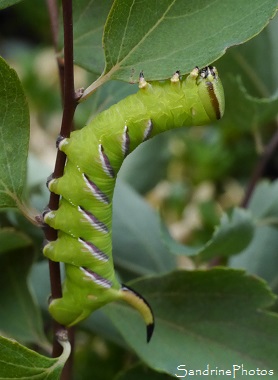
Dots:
pixel 99 324
pixel 216 316
pixel 174 246
pixel 88 20
pixel 249 72
pixel 155 37
pixel 264 201
pixel 39 280
pixel 137 246
pixel 8 3
pixel 107 95
pixel 11 240
pixel 140 372
pixel 154 151
pixel 233 235
pixel 14 136
pixel 251 111
pixel 20 317
pixel 249 61
pixel 260 257
pixel 160 38
pixel 18 362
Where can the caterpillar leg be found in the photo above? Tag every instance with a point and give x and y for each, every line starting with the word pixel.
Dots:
pixel 141 305
pixel 84 291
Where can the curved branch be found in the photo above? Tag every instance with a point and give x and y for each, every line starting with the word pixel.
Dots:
pixel 66 74
pixel 259 168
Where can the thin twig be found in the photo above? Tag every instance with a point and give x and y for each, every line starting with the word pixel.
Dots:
pixel 54 24
pixel 50 233
pixel 66 74
pixel 259 168
pixel 54 21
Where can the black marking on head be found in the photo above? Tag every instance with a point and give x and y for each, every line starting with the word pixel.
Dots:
pixel 95 251
pixel 98 194
pixel 97 224
pixel 206 71
pixel 125 142
pixel 148 130
pixel 96 278
pixel 105 163
pixel 210 73
pixel 203 72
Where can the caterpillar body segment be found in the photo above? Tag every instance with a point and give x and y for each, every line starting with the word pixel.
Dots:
pixel 94 157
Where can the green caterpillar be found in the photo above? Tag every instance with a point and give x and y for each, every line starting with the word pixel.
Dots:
pixel 94 157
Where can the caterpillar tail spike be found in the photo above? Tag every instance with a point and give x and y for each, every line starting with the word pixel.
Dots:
pixel 94 157
pixel 142 306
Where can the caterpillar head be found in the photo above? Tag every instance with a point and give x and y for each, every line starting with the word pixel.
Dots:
pixel 211 92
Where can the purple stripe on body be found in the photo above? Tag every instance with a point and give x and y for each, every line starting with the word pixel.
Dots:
pixel 125 142
pixel 148 130
pixel 96 278
pixel 95 251
pixel 97 224
pixel 105 163
pixel 98 194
